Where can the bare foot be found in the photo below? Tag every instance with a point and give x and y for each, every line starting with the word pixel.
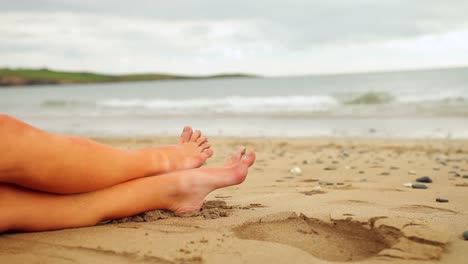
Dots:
pixel 191 152
pixel 195 185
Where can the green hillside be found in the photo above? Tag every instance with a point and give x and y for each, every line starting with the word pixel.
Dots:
pixel 19 77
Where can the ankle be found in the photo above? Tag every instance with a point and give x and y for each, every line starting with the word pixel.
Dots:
pixel 155 161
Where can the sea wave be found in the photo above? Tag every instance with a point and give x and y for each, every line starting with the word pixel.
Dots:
pixel 371 98
pixel 66 103
pixel 358 104
pixel 276 104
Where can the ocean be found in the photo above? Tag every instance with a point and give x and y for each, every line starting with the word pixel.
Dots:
pixel 410 104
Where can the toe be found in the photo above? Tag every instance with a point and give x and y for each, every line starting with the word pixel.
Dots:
pixel 236 156
pixel 249 159
pixel 207 153
pixel 186 134
pixel 205 146
pixel 195 136
pixel 239 153
pixel 201 140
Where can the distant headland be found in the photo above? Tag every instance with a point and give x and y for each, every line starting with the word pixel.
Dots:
pixel 23 77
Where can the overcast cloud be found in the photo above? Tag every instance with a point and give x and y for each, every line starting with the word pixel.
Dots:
pixel 209 36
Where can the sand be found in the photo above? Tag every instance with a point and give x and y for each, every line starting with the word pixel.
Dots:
pixel 345 201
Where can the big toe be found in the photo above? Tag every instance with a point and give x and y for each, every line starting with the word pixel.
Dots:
pixel 249 159
pixel 186 134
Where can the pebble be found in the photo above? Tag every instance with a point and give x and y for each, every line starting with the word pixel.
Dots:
pixel 418 186
pixel 295 170
pixel 325 183
pixel 385 173
pixel 442 200
pixel 305 162
pixel 465 235
pixel 465 176
pixel 344 152
pixel 425 179
pixel 330 168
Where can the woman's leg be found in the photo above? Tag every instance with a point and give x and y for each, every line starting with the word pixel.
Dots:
pixel 62 164
pixel 181 191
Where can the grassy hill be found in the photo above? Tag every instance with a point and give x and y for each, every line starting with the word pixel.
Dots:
pixel 20 77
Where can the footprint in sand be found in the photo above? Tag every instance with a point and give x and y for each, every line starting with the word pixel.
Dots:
pixel 346 239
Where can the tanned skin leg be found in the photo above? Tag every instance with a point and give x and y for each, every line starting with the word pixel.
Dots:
pixel 23 209
pixel 32 158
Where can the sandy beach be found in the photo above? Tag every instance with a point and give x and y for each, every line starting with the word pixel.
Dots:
pixel 317 200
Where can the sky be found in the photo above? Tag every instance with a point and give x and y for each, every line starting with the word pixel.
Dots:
pixel 267 37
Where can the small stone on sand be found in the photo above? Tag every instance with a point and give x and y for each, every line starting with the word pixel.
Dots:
pixel 465 235
pixel 442 200
pixel 465 176
pixel 425 179
pixel 419 186
pixel 295 170
pixel 325 183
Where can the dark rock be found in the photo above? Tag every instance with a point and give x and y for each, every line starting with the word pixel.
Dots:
pixel 465 235
pixel 442 200
pixel 418 186
pixel 465 176
pixel 425 179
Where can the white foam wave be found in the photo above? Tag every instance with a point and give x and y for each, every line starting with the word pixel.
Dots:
pixel 440 96
pixel 230 105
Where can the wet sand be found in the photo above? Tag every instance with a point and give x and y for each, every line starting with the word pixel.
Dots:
pixel 317 200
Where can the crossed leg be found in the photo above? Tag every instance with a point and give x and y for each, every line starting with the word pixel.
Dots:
pixel 180 191
pixel 62 164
